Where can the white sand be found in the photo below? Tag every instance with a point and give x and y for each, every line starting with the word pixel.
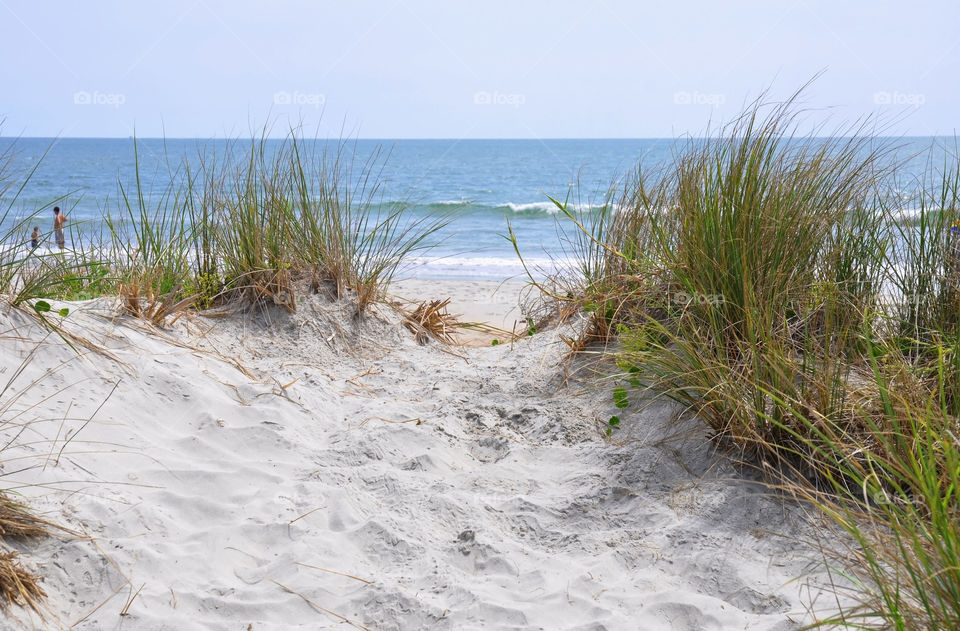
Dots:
pixel 435 491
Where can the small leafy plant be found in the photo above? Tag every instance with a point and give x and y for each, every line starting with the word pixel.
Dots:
pixel 42 307
pixel 620 398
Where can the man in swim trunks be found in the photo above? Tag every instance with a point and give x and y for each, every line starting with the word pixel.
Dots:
pixel 58 220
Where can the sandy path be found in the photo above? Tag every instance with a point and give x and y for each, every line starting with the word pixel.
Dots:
pixel 434 491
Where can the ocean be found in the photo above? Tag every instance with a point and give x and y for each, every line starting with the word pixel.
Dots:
pixel 482 184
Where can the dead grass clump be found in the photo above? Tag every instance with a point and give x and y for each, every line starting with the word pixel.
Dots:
pixel 18 586
pixel 17 522
pixel 268 287
pixel 431 319
pixel 142 302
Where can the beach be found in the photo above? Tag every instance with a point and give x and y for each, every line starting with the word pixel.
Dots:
pixel 314 470
pixel 404 316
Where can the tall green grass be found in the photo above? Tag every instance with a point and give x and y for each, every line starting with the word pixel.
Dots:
pixel 924 269
pixel 150 235
pixel 251 224
pixel 896 503
pixel 769 281
pixel 749 238
pixel 349 238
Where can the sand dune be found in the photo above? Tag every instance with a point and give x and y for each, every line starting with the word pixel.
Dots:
pixel 312 471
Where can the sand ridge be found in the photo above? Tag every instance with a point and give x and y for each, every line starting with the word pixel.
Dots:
pixel 314 470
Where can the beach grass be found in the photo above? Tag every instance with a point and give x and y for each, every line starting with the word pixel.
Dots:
pixel 893 502
pixel 252 225
pixel 769 282
pixel 249 227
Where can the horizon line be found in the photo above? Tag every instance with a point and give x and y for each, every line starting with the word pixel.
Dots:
pixel 440 138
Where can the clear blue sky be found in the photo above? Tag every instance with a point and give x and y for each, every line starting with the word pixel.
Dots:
pixel 490 69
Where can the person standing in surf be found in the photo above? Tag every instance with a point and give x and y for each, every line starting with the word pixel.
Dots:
pixel 35 238
pixel 58 220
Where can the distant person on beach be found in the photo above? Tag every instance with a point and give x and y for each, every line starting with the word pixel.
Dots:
pixel 35 238
pixel 58 220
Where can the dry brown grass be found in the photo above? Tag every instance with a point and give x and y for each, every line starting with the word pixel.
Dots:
pixel 431 319
pixel 547 305
pixel 17 522
pixel 18 586
pixel 141 301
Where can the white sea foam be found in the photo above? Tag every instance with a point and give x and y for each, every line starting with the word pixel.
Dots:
pixel 481 267
pixel 548 207
pixel 913 214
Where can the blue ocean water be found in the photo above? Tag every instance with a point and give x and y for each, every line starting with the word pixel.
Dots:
pixel 483 184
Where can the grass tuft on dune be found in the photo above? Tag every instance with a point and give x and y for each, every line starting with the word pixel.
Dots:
pixel 252 227
pixel 247 227
pixel 767 281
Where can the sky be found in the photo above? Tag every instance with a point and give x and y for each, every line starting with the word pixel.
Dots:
pixel 449 69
